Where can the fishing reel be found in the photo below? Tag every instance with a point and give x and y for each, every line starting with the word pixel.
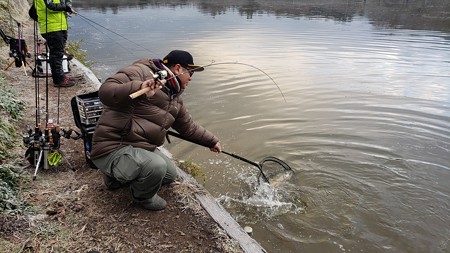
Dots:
pixel 160 75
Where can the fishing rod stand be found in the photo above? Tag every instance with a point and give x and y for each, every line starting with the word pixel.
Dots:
pixel 41 144
pixel 44 151
pixel 38 149
pixel 17 49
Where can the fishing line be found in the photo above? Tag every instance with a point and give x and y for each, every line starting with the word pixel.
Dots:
pixel 249 65
pixel 126 49
pixel 87 20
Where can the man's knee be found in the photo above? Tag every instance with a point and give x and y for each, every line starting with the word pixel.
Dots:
pixel 171 175
pixel 153 169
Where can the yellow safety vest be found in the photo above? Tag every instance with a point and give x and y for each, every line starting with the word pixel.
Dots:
pixel 49 20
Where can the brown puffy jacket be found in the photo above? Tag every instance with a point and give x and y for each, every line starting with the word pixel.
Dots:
pixel 141 122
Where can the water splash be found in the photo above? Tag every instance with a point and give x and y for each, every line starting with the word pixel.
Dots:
pixel 262 201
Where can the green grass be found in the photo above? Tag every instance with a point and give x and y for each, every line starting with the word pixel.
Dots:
pixel 10 178
pixel 11 110
pixel 7 246
pixel 9 101
pixel 74 48
pixel 193 169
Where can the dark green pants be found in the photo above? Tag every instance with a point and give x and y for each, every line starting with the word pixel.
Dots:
pixel 146 171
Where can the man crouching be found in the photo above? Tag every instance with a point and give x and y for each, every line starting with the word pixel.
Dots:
pixel 129 131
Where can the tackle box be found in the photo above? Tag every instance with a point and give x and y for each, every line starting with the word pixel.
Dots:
pixel 87 109
pixel 90 109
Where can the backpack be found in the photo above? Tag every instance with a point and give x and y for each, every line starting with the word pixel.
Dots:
pixel 33 13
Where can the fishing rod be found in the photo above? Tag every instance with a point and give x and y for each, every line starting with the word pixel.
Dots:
pixel 161 73
pixel 162 76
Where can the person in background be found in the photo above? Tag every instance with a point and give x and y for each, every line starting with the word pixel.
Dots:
pixel 53 28
pixel 129 131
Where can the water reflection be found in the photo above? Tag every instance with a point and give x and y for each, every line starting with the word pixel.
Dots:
pixel 404 14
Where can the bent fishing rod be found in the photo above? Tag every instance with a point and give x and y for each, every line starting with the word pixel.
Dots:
pixel 162 75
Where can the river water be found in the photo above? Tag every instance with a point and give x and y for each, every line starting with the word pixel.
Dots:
pixel 363 116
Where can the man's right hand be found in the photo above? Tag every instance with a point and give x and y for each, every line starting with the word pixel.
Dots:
pixel 153 85
pixel 70 10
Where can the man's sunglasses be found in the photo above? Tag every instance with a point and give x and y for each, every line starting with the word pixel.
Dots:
pixel 191 73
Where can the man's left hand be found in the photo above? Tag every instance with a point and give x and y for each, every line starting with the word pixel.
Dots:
pixel 217 148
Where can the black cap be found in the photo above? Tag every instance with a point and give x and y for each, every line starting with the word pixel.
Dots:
pixel 183 58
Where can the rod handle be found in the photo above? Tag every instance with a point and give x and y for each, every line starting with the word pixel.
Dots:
pixel 139 92
pixel 145 90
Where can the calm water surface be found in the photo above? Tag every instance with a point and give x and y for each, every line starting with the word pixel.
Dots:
pixel 365 124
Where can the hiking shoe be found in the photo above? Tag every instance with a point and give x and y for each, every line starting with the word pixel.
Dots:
pixel 66 82
pixel 111 183
pixel 154 204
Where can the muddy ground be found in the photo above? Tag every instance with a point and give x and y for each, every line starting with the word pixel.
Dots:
pixel 72 211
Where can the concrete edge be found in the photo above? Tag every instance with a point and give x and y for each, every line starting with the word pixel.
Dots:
pixel 223 218
pixel 89 74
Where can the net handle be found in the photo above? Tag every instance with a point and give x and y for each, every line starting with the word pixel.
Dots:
pixel 258 165
pixel 250 162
